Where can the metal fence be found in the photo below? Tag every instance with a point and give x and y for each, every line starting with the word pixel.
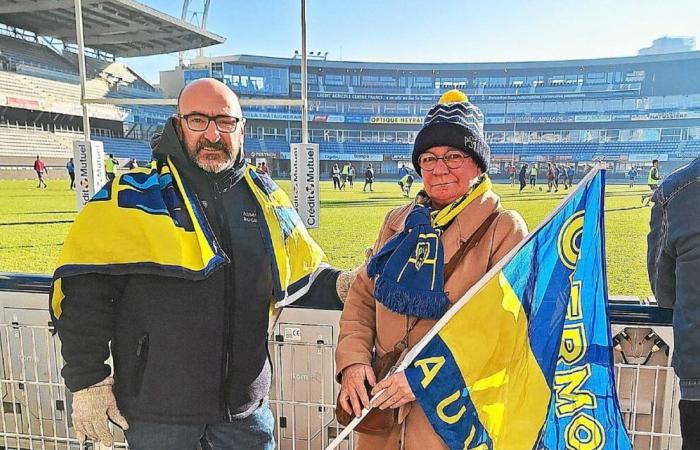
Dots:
pixel 35 404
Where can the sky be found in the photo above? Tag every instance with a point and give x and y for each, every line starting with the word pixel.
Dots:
pixel 436 31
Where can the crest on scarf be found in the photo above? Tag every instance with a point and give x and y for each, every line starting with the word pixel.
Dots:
pixel 422 252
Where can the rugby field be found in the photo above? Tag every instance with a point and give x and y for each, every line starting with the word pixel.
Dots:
pixel 33 223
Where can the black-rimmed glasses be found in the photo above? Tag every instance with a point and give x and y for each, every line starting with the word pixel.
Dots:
pixel 453 160
pixel 200 122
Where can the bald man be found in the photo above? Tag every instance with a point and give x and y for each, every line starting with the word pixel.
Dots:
pixel 190 357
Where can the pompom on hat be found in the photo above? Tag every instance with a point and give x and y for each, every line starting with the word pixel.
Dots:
pixel 456 122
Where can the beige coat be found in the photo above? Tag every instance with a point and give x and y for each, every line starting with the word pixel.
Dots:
pixel 366 324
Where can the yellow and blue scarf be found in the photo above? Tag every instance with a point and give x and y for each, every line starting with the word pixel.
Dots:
pixel 409 269
pixel 147 221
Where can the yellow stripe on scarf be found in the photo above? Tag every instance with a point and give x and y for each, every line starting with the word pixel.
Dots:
pixel 448 213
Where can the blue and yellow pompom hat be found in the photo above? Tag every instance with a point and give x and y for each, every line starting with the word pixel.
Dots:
pixel 456 122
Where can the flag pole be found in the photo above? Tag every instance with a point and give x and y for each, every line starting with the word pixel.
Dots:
pixel 351 426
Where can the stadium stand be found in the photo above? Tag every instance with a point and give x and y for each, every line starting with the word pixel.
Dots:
pixel 19 51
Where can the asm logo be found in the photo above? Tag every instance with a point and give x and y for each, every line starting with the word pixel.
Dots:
pixel 422 252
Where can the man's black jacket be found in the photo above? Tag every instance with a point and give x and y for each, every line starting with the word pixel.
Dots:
pixel 184 351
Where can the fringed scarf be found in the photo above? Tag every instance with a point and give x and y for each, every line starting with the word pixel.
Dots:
pixel 409 269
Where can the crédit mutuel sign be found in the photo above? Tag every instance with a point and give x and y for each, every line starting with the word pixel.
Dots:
pixel 305 182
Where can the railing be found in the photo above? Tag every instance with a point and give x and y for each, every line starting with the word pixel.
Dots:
pixel 35 405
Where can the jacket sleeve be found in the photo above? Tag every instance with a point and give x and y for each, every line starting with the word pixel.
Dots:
pixel 661 265
pixel 323 293
pixel 358 320
pixel 86 327
pixel 510 229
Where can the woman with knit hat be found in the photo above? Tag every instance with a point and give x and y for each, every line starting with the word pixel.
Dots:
pixel 427 255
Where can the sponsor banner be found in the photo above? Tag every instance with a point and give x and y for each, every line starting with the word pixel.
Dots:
pixel 606 157
pixel 432 97
pixel 293 117
pixel 272 155
pixel 327 156
pixel 563 158
pixel 266 115
pixel 89 159
pixel 504 158
pixel 621 117
pixel 397 120
pixel 328 118
pixel 388 97
pixel 593 118
pixel 495 119
pixel 305 183
pixel 356 119
pixel 671 115
pixel 539 119
pixel 647 157
pixel 24 103
pixel 402 157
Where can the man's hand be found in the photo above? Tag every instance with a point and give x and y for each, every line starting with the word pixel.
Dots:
pixel 397 391
pixel 353 393
pixel 92 408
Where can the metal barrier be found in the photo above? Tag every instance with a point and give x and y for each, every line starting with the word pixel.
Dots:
pixel 35 404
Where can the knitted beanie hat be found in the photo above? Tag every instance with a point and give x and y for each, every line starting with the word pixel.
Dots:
pixel 456 122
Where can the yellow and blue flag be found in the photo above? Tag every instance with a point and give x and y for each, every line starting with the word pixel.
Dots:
pixel 524 359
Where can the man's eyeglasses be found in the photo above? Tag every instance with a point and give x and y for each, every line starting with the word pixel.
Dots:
pixel 200 122
pixel 453 160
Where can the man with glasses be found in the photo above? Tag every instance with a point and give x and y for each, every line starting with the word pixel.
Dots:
pixel 405 286
pixel 189 350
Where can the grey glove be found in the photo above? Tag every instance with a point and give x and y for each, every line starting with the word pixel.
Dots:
pixel 92 408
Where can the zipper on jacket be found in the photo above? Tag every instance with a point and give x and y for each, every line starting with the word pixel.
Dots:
pixel 220 212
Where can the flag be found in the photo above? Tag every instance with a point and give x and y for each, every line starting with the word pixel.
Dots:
pixel 524 359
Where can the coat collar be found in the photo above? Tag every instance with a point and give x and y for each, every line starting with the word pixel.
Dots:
pixel 463 226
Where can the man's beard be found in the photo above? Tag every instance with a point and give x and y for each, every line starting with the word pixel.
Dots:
pixel 216 162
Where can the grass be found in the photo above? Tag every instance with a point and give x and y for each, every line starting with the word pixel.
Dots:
pixel 34 222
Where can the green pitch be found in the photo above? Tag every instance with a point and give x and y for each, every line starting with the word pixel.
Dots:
pixel 33 223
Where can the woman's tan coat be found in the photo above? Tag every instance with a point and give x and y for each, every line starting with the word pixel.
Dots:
pixel 366 324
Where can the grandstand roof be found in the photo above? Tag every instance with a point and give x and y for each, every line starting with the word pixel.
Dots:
pixel 461 66
pixel 119 27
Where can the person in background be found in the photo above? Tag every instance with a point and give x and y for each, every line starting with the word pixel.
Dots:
pixel 111 167
pixel 551 176
pixel 632 175
pixel 351 176
pixel 403 171
pixel 264 169
pixel 344 176
pixel 511 173
pixel 673 265
pixel 369 178
pixel 335 175
pixel 132 164
pixel 41 170
pixel 562 177
pixel 653 180
pixel 522 177
pixel 570 173
pixel 533 175
pixel 405 184
pixel 70 167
